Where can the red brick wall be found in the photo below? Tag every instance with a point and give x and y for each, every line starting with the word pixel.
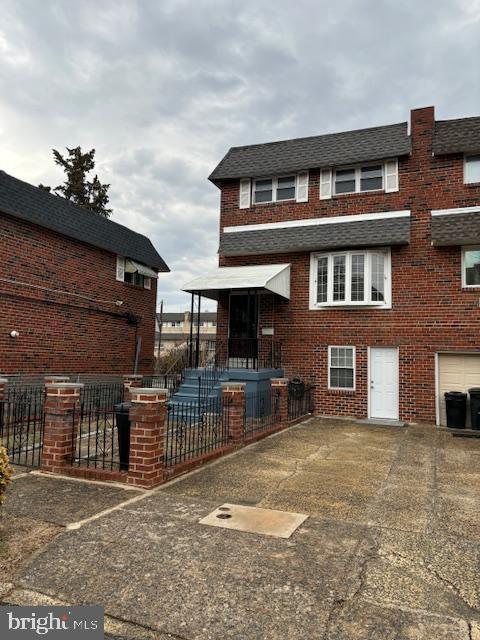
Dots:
pixel 430 310
pixel 65 333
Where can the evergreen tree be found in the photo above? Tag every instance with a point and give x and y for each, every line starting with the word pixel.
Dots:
pixel 77 188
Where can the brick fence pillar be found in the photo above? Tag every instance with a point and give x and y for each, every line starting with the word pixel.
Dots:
pixel 280 399
pixel 233 395
pixel 62 416
pixel 129 381
pixel 3 384
pixel 55 379
pixel 148 416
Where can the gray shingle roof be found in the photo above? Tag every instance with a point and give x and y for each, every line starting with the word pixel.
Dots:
pixel 381 232
pixel 332 149
pixel 456 229
pixel 24 201
pixel 457 136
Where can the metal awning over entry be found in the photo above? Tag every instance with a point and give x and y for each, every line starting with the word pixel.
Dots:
pixel 274 278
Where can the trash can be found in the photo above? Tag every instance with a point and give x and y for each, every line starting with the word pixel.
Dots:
pixel 123 429
pixel 456 404
pixel 296 388
pixel 475 407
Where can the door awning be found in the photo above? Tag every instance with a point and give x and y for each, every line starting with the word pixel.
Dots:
pixel 273 278
pixel 136 267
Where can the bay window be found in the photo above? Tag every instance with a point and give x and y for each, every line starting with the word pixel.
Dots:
pixel 351 278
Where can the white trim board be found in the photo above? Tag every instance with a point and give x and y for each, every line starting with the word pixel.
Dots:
pixel 451 212
pixel 311 222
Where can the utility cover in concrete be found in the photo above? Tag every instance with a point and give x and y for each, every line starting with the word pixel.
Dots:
pixel 267 522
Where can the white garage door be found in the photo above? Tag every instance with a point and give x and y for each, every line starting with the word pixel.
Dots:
pixel 457 373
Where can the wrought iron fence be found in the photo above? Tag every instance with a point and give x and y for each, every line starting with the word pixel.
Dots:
pixel 193 431
pixel 171 381
pixel 261 411
pixel 22 424
pixel 249 353
pixel 94 428
pixel 300 399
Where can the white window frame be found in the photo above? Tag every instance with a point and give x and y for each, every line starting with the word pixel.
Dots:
pixel 466 158
pixel 358 175
pixel 354 359
pixel 474 247
pixel 274 189
pixel 387 304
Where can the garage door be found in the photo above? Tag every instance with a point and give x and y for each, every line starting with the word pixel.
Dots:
pixel 457 373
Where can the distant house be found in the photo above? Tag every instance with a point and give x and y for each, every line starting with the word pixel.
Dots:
pixel 175 329
pixel 77 291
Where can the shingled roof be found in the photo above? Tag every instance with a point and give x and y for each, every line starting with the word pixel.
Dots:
pixel 24 201
pixel 316 237
pixel 457 136
pixel 333 149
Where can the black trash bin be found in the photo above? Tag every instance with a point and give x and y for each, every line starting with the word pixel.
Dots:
pixel 475 407
pixel 123 430
pixel 456 404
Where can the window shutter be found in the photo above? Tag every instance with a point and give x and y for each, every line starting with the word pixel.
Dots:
pixel 120 268
pixel 391 175
pixel 244 199
pixel 147 282
pixel 302 186
pixel 325 184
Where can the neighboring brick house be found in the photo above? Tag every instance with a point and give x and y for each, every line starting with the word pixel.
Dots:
pixel 77 288
pixel 370 246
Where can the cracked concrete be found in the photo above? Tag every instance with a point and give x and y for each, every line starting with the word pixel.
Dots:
pixel 391 549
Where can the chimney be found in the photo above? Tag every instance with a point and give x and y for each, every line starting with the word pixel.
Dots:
pixel 422 123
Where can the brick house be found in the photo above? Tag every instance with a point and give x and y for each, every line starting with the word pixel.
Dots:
pixel 358 254
pixel 77 291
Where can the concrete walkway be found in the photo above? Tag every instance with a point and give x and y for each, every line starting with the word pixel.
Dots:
pixel 391 549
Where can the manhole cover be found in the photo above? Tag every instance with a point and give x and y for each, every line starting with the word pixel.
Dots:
pixel 267 522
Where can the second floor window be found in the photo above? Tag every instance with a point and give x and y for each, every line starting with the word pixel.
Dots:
pixel 350 278
pixel 358 179
pixel 472 169
pixel 274 189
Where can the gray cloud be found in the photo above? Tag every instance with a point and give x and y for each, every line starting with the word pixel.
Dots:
pixel 162 89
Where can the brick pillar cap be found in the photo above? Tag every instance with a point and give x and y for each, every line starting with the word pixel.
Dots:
pixel 64 385
pixel 133 376
pixel 234 386
pixel 3 380
pixel 148 391
pixel 279 382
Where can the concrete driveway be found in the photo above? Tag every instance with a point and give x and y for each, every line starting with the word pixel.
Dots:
pixel 391 548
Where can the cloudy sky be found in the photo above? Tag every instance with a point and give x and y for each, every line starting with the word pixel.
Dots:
pixel 162 88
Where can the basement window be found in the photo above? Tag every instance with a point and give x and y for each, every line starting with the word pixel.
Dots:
pixel 341 368
pixel 471 266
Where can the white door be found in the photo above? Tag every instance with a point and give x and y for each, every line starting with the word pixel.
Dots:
pixel 384 383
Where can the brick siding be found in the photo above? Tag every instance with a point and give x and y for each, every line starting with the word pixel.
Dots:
pixel 63 333
pixel 430 313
